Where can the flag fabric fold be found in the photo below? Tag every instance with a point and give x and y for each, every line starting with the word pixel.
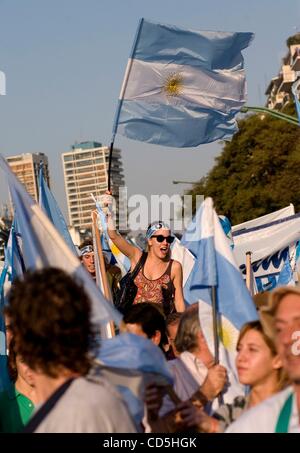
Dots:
pixel 131 362
pixel 182 87
pixel 50 207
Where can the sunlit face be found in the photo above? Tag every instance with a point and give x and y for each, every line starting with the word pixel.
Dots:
pixel 24 371
pixel 88 262
pixel 160 249
pixel 287 323
pixel 255 362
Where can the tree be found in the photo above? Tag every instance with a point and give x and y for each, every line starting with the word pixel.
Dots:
pixel 257 172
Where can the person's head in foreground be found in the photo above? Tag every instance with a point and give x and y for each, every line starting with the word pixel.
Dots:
pixel 146 320
pixel 49 314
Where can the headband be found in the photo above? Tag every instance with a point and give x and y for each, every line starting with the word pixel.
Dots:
pixel 154 227
pixel 86 249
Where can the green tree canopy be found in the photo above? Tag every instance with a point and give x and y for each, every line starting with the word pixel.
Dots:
pixel 257 172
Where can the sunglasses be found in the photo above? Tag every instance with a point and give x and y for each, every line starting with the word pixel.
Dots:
pixel 161 238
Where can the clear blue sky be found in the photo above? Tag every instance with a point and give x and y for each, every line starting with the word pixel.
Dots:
pixel 64 62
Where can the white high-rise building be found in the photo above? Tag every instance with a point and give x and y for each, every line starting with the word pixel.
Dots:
pixel 85 173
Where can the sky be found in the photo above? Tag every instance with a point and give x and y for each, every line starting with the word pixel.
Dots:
pixel 64 62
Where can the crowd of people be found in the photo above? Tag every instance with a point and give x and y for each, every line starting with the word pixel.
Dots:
pixel 57 385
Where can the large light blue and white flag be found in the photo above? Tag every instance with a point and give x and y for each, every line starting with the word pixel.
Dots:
pixel 44 247
pixel 13 253
pixel 50 207
pixel 215 266
pixel 131 362
pixel 182 87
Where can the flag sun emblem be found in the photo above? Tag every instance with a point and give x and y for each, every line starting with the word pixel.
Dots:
pixel 173 84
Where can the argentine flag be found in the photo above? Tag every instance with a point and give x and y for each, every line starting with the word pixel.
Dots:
pixel 215 266
pixel 182 87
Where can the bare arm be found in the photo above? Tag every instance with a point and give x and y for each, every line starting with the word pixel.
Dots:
pixel 177 282
pixel 132 252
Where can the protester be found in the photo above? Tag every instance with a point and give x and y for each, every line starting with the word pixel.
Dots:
pixel 196 377
pixel 159 279
pixel 50 317
pixel 281 412
pixel 146 320
pixel 87 258
pixel 259 367
pixel 17 402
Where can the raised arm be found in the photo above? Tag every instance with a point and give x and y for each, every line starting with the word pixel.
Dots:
pixel 132 252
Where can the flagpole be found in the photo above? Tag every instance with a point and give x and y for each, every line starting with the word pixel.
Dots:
pixel 106 289
pixel 215 323
pixel 109 165
pixel 216 333
pixel 248 270
pixel 121 97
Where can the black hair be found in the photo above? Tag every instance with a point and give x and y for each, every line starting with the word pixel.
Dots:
pixel 150 318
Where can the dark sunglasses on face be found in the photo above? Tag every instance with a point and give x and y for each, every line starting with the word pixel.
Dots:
pixel 161 238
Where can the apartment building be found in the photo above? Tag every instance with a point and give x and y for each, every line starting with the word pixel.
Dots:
pixel 85 172
pixel 26 168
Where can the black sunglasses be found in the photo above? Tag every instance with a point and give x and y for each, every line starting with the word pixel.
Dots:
pixel 161 238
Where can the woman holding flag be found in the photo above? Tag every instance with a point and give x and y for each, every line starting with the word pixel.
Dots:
pixel 158 278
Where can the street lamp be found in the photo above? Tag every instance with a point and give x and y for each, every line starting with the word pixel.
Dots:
pixel 185 182
pixel 290 119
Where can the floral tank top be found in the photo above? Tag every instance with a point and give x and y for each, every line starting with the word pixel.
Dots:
pixel 159 291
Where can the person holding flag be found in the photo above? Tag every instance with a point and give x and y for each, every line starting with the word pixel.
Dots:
pixel 157 277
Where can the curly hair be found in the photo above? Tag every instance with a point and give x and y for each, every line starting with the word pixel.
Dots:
pixel 50 321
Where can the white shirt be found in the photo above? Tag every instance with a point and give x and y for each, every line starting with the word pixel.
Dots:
pixel 263 417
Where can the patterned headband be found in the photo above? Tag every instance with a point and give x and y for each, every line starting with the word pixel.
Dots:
pixel 86 249
pixel 154 227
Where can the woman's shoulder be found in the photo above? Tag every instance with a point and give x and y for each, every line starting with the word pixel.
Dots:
pixel 176 264
pixel 176 267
